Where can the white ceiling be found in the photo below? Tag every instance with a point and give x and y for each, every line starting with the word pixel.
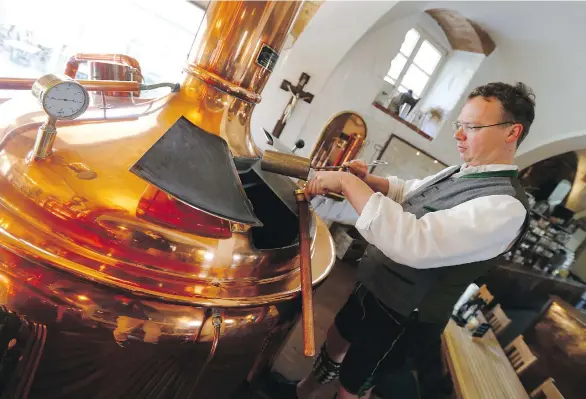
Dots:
pixel 535 21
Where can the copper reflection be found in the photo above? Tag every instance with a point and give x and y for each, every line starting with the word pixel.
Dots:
pixel 225 54
pixel 80 258
pixel 234 33
pixel 45 220
pixel 73 63
pixel 107 67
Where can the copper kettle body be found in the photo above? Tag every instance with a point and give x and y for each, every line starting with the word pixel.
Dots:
pixel 110 286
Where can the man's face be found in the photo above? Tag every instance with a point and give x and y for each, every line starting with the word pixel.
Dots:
pixel 481 146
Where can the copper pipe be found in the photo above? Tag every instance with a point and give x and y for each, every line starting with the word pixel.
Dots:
pixel 239 42
pixel 73 63
pixel 223 85
pixel 353 148
pixel 107 67
pixel 305 274
pixel 286 164
pixel 90 85
pixel 292 166
pixel 217 323
pixel 16 83
pixel 232 56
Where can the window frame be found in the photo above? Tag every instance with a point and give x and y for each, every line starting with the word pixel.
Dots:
pixel 423 35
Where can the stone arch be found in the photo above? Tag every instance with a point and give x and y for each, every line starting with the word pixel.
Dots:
pixel 462 33
pixel 575 141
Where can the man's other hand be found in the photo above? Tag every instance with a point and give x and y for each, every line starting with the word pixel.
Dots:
pixel 358 168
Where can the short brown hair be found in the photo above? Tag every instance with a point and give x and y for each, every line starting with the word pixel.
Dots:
pixel 518 102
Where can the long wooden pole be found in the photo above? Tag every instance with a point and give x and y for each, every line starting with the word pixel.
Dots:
pixel 305 274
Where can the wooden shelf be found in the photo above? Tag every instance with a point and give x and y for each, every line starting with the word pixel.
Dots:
pixel 403 121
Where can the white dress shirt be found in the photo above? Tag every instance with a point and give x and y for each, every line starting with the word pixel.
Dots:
pixel 473 231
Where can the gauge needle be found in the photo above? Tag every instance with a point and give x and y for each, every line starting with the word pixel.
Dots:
pixel 64 99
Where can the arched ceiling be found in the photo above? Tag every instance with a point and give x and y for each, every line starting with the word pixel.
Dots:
pixel 462 33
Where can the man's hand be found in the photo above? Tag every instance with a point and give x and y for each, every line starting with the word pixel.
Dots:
pixel 323 183
pixel 358 168
pixel 356 191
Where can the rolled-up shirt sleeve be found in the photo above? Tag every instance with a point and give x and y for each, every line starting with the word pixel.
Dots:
pixel 473 231
pixel 398 189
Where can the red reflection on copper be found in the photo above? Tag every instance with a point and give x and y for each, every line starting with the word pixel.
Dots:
pixel 159 207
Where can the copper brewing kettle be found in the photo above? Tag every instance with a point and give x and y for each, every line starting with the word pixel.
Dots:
pixel 94 253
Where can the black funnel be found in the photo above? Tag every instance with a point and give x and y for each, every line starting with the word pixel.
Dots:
pixel 197 168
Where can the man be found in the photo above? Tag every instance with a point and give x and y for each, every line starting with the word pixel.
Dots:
pixel 403 98
pixel 429 240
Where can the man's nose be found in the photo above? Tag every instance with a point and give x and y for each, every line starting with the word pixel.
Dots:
pixel 460 135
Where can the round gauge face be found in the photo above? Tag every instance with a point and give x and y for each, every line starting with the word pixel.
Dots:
pixel 66 100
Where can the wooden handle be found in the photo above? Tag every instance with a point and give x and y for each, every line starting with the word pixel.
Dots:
pixel 305 273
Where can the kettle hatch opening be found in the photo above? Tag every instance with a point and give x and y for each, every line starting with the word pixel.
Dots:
pixel 280 227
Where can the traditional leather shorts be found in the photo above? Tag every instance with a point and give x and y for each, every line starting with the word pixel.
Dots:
pixel 381 340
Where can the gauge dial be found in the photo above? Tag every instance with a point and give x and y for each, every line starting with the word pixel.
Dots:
pixel 65 100
pixel 61 97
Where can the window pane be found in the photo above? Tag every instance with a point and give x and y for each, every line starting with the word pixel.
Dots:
pixel 415 79
pixel 34 45
pixel 397 66
pixel 409 43
pixel 390 80
pixel 427 57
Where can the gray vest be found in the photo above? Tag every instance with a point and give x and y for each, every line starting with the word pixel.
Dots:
pixel 435 291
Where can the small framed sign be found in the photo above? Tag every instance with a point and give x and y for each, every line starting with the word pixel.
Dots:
pixel 267 58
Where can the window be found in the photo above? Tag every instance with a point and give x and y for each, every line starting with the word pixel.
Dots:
pixel 415 63
pixel 158 34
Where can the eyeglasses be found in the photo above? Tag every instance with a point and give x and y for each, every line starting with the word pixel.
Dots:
pixel 471 129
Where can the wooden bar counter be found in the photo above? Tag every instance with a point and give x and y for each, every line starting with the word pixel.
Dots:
pixel 479 368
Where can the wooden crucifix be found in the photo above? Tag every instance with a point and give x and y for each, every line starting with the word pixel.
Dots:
pixel 297 94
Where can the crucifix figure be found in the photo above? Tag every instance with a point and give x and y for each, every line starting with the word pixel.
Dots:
pixel 297 95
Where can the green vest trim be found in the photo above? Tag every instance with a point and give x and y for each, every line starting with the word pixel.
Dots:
pixel 496 173
pixel 430 209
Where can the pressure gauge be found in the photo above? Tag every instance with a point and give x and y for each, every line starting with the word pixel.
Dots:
pixel 60 96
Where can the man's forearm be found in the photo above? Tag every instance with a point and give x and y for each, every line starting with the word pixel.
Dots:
pixel 356 191
pixel 377 184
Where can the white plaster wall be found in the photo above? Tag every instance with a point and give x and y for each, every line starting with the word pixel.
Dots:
pixel 452 80
pixel 348 46
pixel 559 121
pixel 543 51
pixel 353 83
pixel 331 33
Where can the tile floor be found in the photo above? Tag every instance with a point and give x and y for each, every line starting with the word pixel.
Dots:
pixel 328 299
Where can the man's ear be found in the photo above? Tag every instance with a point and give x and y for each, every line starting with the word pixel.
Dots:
pixel 515 133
